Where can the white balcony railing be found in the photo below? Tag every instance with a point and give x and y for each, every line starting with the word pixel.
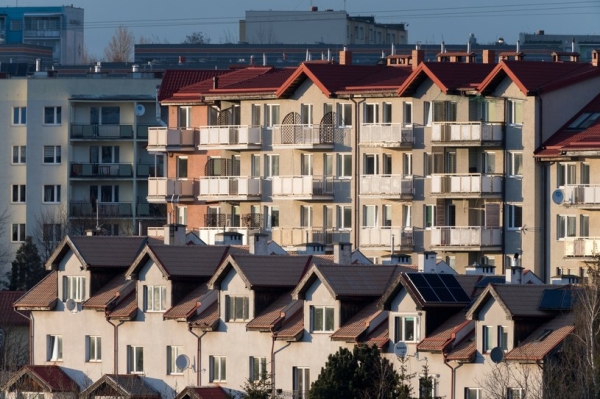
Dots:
pixel 469 236
pixel 582 195
pixel 292 236
pixel 399 237
pixel 477 132
pixel 305 135
pixel 231 135
pixel 161 189
pixel 234 186
pixel 302 186
pixel 163 138
pixel 386 185
pixel 473 183
pixel 582 246
pixel 386 134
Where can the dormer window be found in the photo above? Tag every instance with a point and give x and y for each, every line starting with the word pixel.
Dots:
pixel 322 318
pixel 74 288
pixel 237 308
pixel 155 298
pixel 405 328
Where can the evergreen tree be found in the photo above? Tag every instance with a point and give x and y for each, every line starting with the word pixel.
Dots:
pixel 27 268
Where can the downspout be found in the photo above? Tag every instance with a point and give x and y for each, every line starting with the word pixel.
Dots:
pixel 115 343
pixel 452 378
pixel 545 194
pixel 356 183
pixel 273 338
pixel 198 355
pixel 31 324
pixel 504 185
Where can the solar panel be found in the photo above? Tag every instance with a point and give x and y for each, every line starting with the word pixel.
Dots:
pixel 438 288
pixel 557 299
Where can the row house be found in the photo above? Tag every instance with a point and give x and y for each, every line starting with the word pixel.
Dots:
pixel 154 318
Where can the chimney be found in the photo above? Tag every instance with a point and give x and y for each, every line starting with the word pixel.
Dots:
pixel 573 45
pixel 38 64
pixel 228 238
pixel 98 67
pixel 443 47
pixel 518 46
pixel 427 262
pixel 489 56
pixel 418 56
pixel 595 58
pixel 342 253
pixel 174 234
pixel 215 82
pixel 264 59
pixel 514 273
pixel 181 60
pixel 345 57
pixel 258 244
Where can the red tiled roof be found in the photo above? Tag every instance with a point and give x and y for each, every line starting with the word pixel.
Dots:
pixel 444 334
pixel 187 305
pixel 123 385
pixel 379 336
pixel 357 325
pixel 450 77
pixel 464 352
pixel 126 309
pixel 292 327
pixel 266 82
pixel 173 80
pixel 208 319
pixel 8 315
pixel 44 295
pixel 49 377
pixel 215 392
pixel 272 314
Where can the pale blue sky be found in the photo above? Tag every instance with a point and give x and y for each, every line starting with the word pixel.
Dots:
pixel 429 21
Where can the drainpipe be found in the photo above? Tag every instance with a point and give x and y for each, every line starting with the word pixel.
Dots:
pixel 273 338
pixel 198 356
pixel 115 343
pixel 452 378
pixel 356 182
pixel 31 324
pixel 504 185
pixel 545 194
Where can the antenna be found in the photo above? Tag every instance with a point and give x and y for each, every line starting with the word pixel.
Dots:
pixel 139 110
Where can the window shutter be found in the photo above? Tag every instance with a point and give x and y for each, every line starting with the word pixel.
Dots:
pixel 65 282
pixel 163 298
pixel 492 214
pixel 145 298
pixel 251 368
pixel 246 308
pixel 211 368
pixel 440 212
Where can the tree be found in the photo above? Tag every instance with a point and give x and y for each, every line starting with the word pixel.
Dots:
pixel 405 389
pixel 196 38
pixel 152 39
pixel 258 389
pixel 120 47
pixel 51 226
pixel 27 268
pixel 362 373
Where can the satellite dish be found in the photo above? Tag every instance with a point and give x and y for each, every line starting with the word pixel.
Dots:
pixel 400 349
pixel 70 304
pixel 497 355
pixel 558 196
pixel 140 110
pixel 182 362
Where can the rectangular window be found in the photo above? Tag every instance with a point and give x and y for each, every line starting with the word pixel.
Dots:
pixel 386 164
pixel 52 154
pixel 444 111
pixel 185 117
pixel 427 113
pixel 182 215
pixel 272 216
pixel 135 359
pixel 272 165
pixel 387 215
pixel 515 393
pixel 584 225
pixel 387 113
pixel 514 112
pixel 74 288
pixel 305 216
pixel 306 114
pixel 182 167
pixel 473 393
pixel 271 115
pixel 344 165
pixel 306 164
pixel 301 384
pixel 52 115
pixel 94 348
pixel 371 164
pixel 19 154
pixel 407 111
pixel 255 114
pixel 369 216
pixel 51 232
pixel 371 115
pixel 155 298
pixel 345 217
pixel 322 318
pixel 109 194
pixel 19 115
pixel 566 226
pixel 218 368
pixel 566 174
pixel 405 328
pixel 328 164
pixel 407 164
pixel 55 348
pixel 515 217
pixel 515 164
pixel 110 115
pixel 19 193
pixel 489 162
pixel 429 215
pixel 237 308
pixel 255 165
pixel 407 215
pixel 344 115
pixel 487 339
pixel 18 232
pixel 258 368
pixel 51 194
pixel 172 353
pixel 503 337
pixel 585 173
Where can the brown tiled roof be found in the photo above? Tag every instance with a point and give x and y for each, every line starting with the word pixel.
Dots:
pixel 189 260
pixel 44 295
pixel 208 319
pixel 553 332
pixel 450 77
pixel 444 334
pixel 49 378
pixel 465 351
pixel 110 293
pixel 379 336
pixel 292 327
pixel 173 80
pixel 187 305
pixel 216 392
pixel 8 315
pixel 357 325
pixel 130 386
pixel 126 309
pixel 272 314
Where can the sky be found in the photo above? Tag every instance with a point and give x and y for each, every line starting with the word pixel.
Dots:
pixel 428 21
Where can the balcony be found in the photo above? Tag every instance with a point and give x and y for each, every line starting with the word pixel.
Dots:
pixel 231 137
pixel 145 170
pixel 389 135
pixel 87 209
pixel 165 189
pixel 466 185
pixel 293 236
pixel 246 224
pixel 218 188
pixel 147 210
pixel 163 139
pixel 141 132
pixel 302 187
pixel 306 136
pixel 383 237
pixel 582 196
pixel 386 186
pixel 101 170
pixel 101 132
pixel 581 247
pixel 469 238
pixel 468 134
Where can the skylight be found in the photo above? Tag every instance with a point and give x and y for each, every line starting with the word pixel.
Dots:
pixel 585 120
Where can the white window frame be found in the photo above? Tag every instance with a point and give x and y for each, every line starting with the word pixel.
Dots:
pixel 184 117
pixel 19 116
pixel 487 339
pixel 401 332
pixel 173 351
pixel 271 217
pixel 371 114
pixel 386 215
pixel 55 348
pixel 407 169
pixel 182 214
pixel 218 368
pixel 566 173
pixel 429 211
pixel 155 298
pixel 489 162
pixel 473 393
pixel 584 225
pixel 306 164
pixel 344 217
pixel 301 383
pixel 370 161
pixel 56 154
pixel 513 171
pixel 271 165
pixel 407 113
pixel 135 359
pixel 503 338
pixel 74 287
pixel 232 308
pixel 344 111
pixel 386 113
pixel 427 113
pixel 258 368
pixel 56 116
pixel 18 193
pixel 406 215
pixel 255 113
pixel 306 216
pixel 566 226
pixel 369 210
pixel 513 216
pixel 19 155
pixel 515 112
pixel 515 393
pixel 18 232
pixel 272 115
pixel 94 348
pixel 342 166
pixel 306 114
pixel 182 166
pixel 54 194
pixel 322 319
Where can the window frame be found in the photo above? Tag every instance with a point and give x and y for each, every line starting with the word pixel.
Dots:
pixel 513 216
pixel 429 214
pixel 173 351
pixel 54 194
pixel 19 234
pixel 258 369
pixel 322 319
pixel 515 110
pixel 218 368
pixel 150 300
pixel 54 348
pixel 511 170
pixel 135 359
pixel 74 287
pixel 18 193
pixel 271 165
pixel 94 348
pixel 56 115
pixel 56 158
pixel 407 113
pixel 19 155
pixel 342 166
pixel 487 339
pixel 272 115
pixel 401 330
pixel 564 229
pixel 345 217
pixel 344 114
pixel 19 116
pixel 232 304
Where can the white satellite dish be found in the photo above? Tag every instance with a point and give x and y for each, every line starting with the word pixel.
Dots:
pixel 182 362
pixel 400 349
pixel 140 110
pixel 558 196
pixel 70 304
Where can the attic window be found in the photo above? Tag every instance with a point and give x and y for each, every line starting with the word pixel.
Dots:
pixel 585 120
pixel 543 335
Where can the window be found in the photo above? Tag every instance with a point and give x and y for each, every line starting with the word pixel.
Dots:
pixel 218 368
pixel 271 115
pixel 387 113
pixel 514 112
pixel 172 353
pixel 328 217
pixel 301 381
pixel 407 164
pixel 585 173
pixel 473 393
pixel 503 337
pixel 489 162
pixel 345 217
pixel 110 115
pixel 52 154
pixel 444 111
pixel 369 215
pixel 306 164
pixel 371 113
pixel 182 167
pixel 185 116
pixel 515 163
pixel 272 165
pixel 405 328
pixel 429 215
pixel 155 298
pixel 135 359
pixel 272 216
pixel 427 115
pixel 407 110
pixel 487 339
pixel 52 193
pixel 344 115
pixel 51 232
pixel 407 215
pixel 322 318
pixel 566 226
pixel 52 115
pixel 255 165
pixel 515 393
pixel 19 115
pixel 584 225
pixel 55 348
pixel 19 192
pixel 426 386
pixel 328 164
pixel 109 194
pixel 258 368
pixel 109 154
pixel 305 216
pixel 19 154
pixel 386 164
pixel 94 348
pixel 387 215
pixel 182 215
pixel 74 288
pixel 237 308
pixel 515 217
pixel 18 232
pixel 566 174
pixel 255 114
pixel 306 114
pixel 344 165
pixel 371 164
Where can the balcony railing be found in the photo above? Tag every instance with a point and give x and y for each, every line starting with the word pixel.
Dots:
pixel 386 135
pixel 386 185
pixel 104 209
pixel 101 132
pixel 466 184
pixel 149 170
pixel 239 137
pixel 101 170
pixel 302 235
pixel 229 187
pixel 305 136
pixel 581 247
pixel 582 195
pixel 399 237
pixel 164 139
pixel 468 133
pixel 302 186
pixel 164 189
pixel 221 220
pixel 146 209
pixel 466 237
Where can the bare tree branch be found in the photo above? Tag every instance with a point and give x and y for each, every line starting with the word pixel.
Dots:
pixel 120 47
